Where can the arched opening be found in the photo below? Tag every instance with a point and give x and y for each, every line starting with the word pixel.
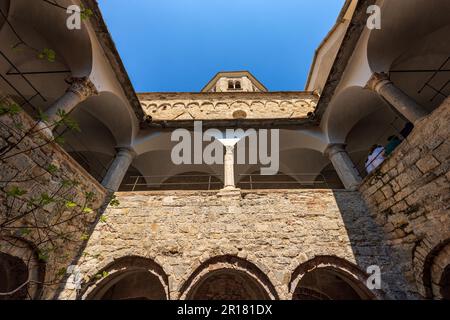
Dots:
pixel 228 278
pixel 329 278
pixel 413 49
pixel 434 282
pixel 13 273
pixel 237 85
pixel 38 57
pixel 445 283
pixel 230 85
pixel 363 123
pixel 327 284
pixel 129 278
pixel 133 285
pixel 21 273
pixel 228 284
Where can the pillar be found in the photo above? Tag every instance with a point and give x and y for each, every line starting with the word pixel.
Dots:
pixel 229 167
pixel 118 169
pixel 344 166
pixel 408 107
pixel 80 89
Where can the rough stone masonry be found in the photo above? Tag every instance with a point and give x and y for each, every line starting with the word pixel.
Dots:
pixel 274 230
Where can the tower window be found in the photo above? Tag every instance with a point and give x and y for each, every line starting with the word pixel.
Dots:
pixel 234 85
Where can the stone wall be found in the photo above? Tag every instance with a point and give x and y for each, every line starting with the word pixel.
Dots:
pixel 45 223
pixel 275 231
pixel 215 106
pixel 409 197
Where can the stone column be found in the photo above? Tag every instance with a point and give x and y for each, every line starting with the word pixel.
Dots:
pixel 229 167
pixel 344 166
pixel 80 89
pixel 408 107
pixel 118 169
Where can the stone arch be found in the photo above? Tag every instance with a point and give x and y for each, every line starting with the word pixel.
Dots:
pixel 73 50
pixel 329 278
pixel 418 19
pixel 302 103
pixel 112 111
pixel 23 255
pixel 271 104
pixel 413 41
pixel 431 261
pixel 344 112
pixel 128 278
pixel 151 107
pixel 221 106
pixel 191 105
pixel 246 281
pixel 287 104
pixel 152 163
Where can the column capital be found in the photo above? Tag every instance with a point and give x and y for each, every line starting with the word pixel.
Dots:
pixel 83 87
pixel 126 152
pixel 334 148
pixel 229 148
pixel 378 80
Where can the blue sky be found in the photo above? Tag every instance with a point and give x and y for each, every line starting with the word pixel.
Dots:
pixel 179 45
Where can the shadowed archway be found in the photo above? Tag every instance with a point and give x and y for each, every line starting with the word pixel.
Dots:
pixel 228 278
pixel 329 278
pixel 129 278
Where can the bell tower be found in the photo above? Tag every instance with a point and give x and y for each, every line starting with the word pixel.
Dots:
pixel 234 81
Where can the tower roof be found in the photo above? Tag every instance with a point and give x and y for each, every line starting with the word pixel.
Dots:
pixel 234 74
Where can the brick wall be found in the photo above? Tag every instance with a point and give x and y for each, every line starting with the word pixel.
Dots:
pixel 275 230
pixel 53 234
pixel 409 196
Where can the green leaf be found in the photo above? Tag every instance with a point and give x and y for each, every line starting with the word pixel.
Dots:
pixel 102 275
pixel 103 219
pixel 86 13
pixel 47 54
pixel 24 231
pixel 43 256
pixel 87 210
pixel 71 124
pixel 16 192
pixel 70 204
pixel 66 183
pixel 89 195
pixel 42 115
pixel 32 202
pixel 45 199
pixel 84 237
pixel 52 168
pixel 75 183
pixel 114 202
pixel 59 140
pixel 12 109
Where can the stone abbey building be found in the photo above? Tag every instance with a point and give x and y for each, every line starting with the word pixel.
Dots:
pixel 94 207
